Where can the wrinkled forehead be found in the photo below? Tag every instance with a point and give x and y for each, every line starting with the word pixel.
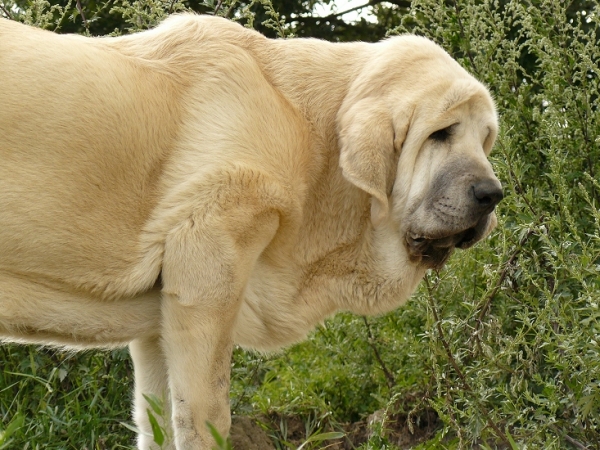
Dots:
pixel 467 100
pixel 467 93
pixel 462 103
pixel 425 75
pixel 451 102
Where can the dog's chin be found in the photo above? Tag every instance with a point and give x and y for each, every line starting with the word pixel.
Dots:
pixel 433 250
pixel 431 253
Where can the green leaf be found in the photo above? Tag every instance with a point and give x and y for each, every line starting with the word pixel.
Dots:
pixel 155 403
pixel 133 428
pixel 157 431
pixel 220 441
pixel 14 425
pixel 513 444
pixel 322 437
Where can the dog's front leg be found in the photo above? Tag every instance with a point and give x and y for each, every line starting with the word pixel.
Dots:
pixel 197 341
pixel 208 259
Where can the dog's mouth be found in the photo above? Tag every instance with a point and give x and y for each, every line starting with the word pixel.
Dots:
pixel 433 251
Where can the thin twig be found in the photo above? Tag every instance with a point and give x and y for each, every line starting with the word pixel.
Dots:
pixel 219 3
pixel 403 4
pixel 356 8
pixel 575 442
pixel 256 366
pixel 371 341
pixel 515 179
pixel 80 9
pixel 5 11
pixel 504 273
pixel 462 30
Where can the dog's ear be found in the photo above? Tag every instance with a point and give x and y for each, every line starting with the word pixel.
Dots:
pixel 367 151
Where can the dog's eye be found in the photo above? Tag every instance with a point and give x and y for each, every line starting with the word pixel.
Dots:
pixel 441 135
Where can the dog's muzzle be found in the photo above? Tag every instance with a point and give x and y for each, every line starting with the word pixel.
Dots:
pixel 433 249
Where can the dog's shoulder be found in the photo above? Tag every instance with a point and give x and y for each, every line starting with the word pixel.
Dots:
pixel 185 42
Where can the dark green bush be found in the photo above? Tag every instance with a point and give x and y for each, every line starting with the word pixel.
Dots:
pixel 513 327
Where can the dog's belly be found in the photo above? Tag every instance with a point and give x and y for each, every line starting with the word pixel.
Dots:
pixel 32 312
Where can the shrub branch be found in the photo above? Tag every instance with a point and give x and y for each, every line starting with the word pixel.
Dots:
pixel 465 384
pixel 371 341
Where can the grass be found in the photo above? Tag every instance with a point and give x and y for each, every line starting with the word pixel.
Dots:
pixel 78 401
pixel 65 401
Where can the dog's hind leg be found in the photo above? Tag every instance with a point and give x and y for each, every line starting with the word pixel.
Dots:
pixel 151 382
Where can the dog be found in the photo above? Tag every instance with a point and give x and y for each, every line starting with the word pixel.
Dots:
pixel 196 186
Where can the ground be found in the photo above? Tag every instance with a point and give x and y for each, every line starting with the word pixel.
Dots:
pixel 248 434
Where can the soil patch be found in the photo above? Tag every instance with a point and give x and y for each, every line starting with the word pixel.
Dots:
pixel 403 429
pixel 246 434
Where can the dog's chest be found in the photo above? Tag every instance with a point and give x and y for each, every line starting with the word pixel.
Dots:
pixel 272 313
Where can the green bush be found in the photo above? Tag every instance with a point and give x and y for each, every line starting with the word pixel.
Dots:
pixel 513 326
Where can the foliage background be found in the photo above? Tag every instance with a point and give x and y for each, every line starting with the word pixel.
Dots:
pixel 502 345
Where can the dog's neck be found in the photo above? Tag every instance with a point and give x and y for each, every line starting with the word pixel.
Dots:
pixel 336 256
pixel 317 89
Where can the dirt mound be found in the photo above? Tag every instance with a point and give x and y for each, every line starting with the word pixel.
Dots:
pixel 246 434
pixel 410 422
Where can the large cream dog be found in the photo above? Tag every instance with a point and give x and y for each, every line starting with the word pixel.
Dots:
pixel 198 186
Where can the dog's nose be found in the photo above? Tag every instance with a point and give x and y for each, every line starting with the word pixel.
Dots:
pixel 488 194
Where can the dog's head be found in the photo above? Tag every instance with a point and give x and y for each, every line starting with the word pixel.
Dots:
pixel 415 131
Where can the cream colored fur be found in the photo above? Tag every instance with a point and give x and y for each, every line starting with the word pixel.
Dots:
pixel 198 186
